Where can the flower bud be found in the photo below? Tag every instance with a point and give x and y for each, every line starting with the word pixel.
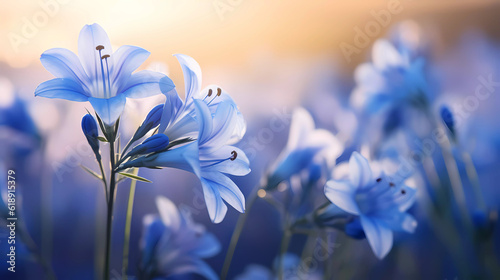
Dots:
pixel 153 144
pixel 448 120
pixel 152 120
pixel 89 128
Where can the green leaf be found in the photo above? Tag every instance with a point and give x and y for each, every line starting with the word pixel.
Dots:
pixel 134 177
pixel 102 139
pixel 93 173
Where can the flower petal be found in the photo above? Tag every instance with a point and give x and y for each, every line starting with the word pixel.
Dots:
pixel 63 89
pixel 90 37
pixel 228 190
pixel 214 101
pixel 171 109
pixel 204 119
pixel 192 76
pixel 125 61
pixel 63 63
pixel 342 194
pixel 109 110
pixel 302 125
pixel 385 55
pixel 378 235
pixel 224 122
pixel 169 214
pixel 360 171
pixel 239 167
pixel 216 208
pixel 208 246
pixel 145 83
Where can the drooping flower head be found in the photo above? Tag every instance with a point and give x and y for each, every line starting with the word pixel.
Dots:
pixel 379 202
pixel 173 244
pixel 99 75
pixel 202 129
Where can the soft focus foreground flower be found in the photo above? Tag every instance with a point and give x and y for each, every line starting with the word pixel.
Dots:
pixel 391 80
pixel 379 202
pixel 305 142
pixel 99 75
pixel 173 244
pixel 201 130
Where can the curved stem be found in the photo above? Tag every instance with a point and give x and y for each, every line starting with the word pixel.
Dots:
pixel 111 200
pixel 128 223
pixel 236 234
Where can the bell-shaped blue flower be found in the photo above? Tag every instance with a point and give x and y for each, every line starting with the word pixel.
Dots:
pixel 305 142
pixel 89 128
pixel 172 244
pixel 211 122
pixel 153 144
pixel 99 75
pixel 379 203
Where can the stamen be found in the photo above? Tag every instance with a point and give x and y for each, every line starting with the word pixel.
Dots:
pixel 219 91
pixel 100 48
pixel 107 70
pixel 391 184
pixel 403 192
pixel 234 155
pixel 209 92
pixel 378 180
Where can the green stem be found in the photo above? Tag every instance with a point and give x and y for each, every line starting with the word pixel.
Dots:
pixel 105 183
pixel 111 200
pixel 128 223
pixel 236 234
pixel 285 241
pixel 474 180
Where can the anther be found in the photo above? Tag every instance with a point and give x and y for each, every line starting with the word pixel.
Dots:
pixel 219 91
pixel 209 92
pixel 105 56
pixel 234 155
pixel 378 180
pixel 100 47
pixel 403 191
pixel 391 184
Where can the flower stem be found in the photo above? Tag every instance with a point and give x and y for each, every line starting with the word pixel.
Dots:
pixel 105 183
pixel 128 223
pixel 236 234
pixel 474 180
pixel 285 241
pixel 111 200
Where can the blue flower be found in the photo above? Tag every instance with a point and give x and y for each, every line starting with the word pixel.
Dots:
pixel 172 244
pixel 391 80
pixel 379 203
pixel 205 125
pixel 305 143
pixel 99 75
